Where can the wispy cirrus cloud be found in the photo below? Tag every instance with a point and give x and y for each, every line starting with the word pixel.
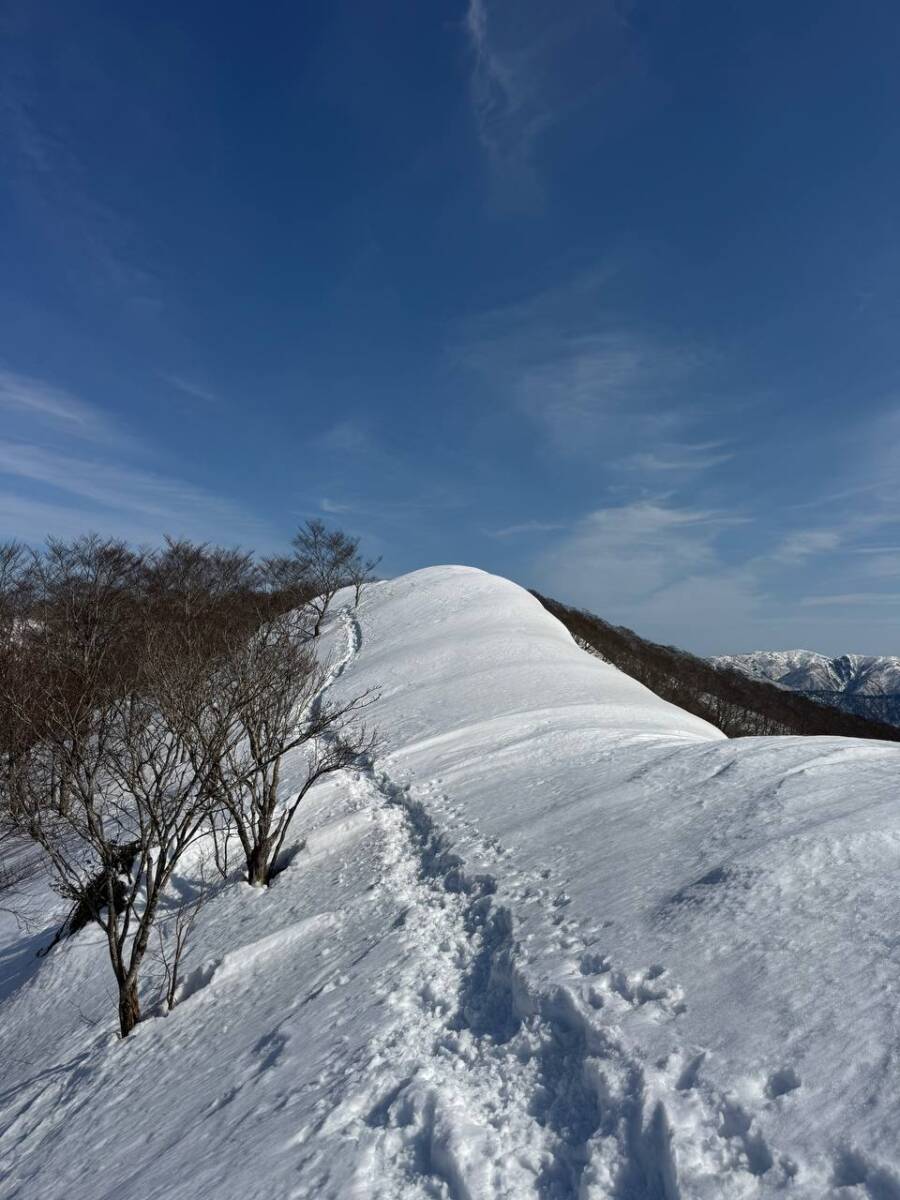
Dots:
pixel 684 543
pixel 684 457
pixel 53 186
pixel 671 571
pixel 863 492
pixel 881 565
pixel 348 436
pixel 585 383
pixel 802 544
pixel 507 112
pixel 525 527
pixel 854 519
pixel 658 567
pixel 334 507
pixel 31 519
pixel 72 468
pixel 190 387
pixel 55 407
pixel 589 380
pixel 628 552
pixel 359 476
pixel 531 65
pixel 434 498
pixel 154 502
pixel 852 599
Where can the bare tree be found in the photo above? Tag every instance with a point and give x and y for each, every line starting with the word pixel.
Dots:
pixel 360 573
pixel 62 643
pixel 221 831
pixel 175 934
pixel 13 559
pixel 270 686
pixel 287 583
pixel 83 605
pixel 114 722
pixel 18 860
pixel 213 587
pixel 325 559
pixel 146 699
pixel 12 610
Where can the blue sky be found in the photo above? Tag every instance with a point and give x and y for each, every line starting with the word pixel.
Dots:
pixel 601 296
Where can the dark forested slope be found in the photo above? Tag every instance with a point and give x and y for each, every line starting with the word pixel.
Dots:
pixel 736 704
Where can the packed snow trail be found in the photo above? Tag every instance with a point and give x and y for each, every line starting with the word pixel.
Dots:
pixel 488 1090
pixel 558 940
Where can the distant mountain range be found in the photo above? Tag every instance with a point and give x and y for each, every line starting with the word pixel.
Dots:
pixel 861 684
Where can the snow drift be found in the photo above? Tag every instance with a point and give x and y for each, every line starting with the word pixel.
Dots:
pixel 558 939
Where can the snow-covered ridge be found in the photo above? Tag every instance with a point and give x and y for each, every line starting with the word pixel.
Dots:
pixel 558 939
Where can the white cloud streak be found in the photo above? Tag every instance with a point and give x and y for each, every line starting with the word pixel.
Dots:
pixel 852 599
pixel 587 381
pixel 499 93
pixel 166 502
pixel 347 437
pixel 532 65
pixel 65 490
pixel 525 527
pixel 680 457
pixel 54 407
pixel 190 387
pixel 802 544
pixel 663 570
pixel 50 180
pixel 629 552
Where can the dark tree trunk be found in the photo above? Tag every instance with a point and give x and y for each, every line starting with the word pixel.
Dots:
pixel 129 1007
pixel 258 864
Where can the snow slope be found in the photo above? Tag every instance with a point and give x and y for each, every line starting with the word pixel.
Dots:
pixel 559 939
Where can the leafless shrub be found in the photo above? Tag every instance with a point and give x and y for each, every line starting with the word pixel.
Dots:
pixel 324 561
pixel 103 770
pixel 271 689
pixel 211 589
pixel 221 832
pixel 13 864
pixel 360 574
pixel 326 557
pixel 174 935
pixel 136 797
pixel 147 699
pixel 19 863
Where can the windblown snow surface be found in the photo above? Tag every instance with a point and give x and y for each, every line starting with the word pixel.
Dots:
pixel 558 939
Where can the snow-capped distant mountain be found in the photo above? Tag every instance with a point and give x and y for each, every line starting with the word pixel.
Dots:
pixel 863 684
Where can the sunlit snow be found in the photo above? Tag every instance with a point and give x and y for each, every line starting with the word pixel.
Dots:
pixel 559 939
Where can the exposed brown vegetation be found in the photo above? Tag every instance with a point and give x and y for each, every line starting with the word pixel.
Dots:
pixel 149 697
pixel 739 706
